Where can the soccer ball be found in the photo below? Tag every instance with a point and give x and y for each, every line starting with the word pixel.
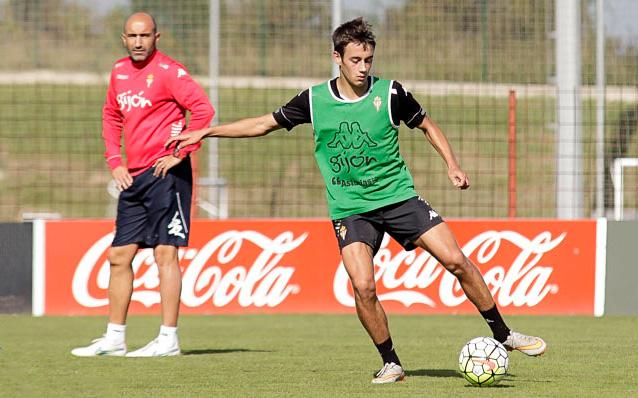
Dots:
pixel 483 361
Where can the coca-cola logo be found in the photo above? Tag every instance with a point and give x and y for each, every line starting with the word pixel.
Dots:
pixel 404 277
pixel 212 276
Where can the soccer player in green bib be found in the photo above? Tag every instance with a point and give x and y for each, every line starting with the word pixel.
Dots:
pixel 369 189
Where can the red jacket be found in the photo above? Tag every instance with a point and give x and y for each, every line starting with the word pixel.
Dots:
pixel 148 101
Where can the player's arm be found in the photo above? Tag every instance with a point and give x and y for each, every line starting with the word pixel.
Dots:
pixel 442 145
pixel 404 107
pixel 112 123
pixel 295 112
pixel 244 128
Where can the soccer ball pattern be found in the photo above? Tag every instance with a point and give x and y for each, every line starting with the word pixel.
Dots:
pixel 483 361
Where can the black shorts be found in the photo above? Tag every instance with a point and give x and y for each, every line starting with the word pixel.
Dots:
pixel 154 210
pixel 405 221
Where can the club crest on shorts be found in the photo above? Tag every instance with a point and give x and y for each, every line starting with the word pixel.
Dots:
pixel 175 227
pixel 343 231
pixel 340 229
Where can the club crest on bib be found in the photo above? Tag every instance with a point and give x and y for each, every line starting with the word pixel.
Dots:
pixel 377 103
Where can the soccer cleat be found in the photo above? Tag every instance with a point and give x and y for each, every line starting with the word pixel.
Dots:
pixel 157 348
pixel 529 345
pixel 101 347
pixel 390 373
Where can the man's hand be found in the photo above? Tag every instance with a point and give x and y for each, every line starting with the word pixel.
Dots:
pixel 186 139
pixel 163 164
pixel 122 178
pixel 459 178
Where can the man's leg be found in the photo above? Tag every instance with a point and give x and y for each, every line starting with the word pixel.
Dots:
pixel 170 283
pixel 440 242
pixel 120 282
pixel 167 342
pixel 120 290
pixel 357 259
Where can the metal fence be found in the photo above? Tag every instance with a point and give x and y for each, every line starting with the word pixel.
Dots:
pixel 460 58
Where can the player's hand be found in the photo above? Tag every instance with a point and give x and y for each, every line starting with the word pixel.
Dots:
pixel 185 139
pixel 164 164
pixel 458 177
pixel 122 178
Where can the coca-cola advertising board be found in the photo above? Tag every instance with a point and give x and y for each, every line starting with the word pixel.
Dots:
pixel 293 266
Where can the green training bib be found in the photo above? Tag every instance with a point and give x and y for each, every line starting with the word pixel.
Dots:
pixel 357 150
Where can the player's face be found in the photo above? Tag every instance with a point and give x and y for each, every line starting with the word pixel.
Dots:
pixel 356 63
pixel 139 38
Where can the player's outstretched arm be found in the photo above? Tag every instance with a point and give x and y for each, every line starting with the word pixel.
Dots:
pixel 250 127
pixel 442 145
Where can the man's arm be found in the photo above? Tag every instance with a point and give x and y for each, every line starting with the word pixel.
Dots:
pixel 442 146
pixel 244 128
pixel 189 94
pixel 112 123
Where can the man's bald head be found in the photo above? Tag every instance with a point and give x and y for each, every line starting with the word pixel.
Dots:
pixel 141 17
pixel 139 36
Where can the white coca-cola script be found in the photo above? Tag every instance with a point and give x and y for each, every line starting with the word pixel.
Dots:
pixel 404 276
pixel 211 277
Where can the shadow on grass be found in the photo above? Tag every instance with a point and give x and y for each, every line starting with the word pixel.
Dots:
pixel 499 385
pixel 210 351
pixel 433 373
pixel 448 373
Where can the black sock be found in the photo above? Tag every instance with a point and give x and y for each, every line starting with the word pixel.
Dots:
pixel 386 349
pixel 496 323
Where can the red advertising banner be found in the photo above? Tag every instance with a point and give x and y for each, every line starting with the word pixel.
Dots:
pixel 293 266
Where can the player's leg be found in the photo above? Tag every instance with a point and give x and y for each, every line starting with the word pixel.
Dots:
pixel 357 260
pixel 359 237
pixel 440 242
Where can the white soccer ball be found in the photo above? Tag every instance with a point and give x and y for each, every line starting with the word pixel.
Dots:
pixel 483 361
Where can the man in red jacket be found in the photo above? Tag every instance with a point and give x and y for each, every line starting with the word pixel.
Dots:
pixel 147 99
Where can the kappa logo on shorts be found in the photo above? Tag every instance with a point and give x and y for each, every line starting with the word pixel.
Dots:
pixel 433 214
pixel 175 227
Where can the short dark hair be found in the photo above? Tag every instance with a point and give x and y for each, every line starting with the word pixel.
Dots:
pixel 356 31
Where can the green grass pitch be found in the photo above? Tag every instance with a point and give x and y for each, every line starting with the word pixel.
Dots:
pixel 312 356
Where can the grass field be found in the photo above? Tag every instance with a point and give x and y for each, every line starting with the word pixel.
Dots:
pixel 312 356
